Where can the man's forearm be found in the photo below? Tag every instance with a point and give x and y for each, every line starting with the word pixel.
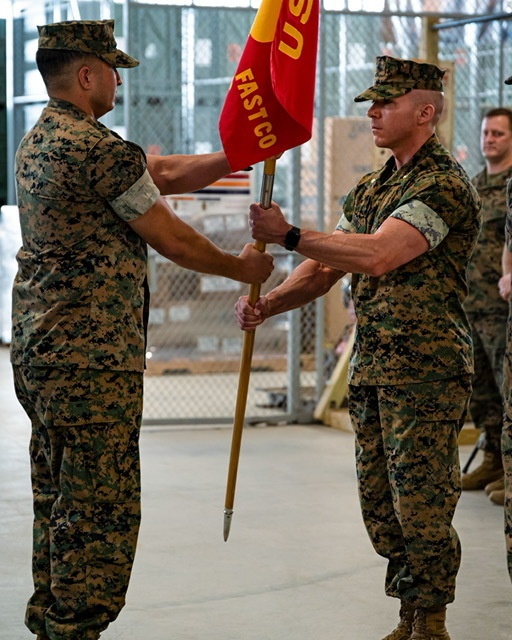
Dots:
pixel 310 280
pixel 505 282
pixel 506 261
pixel 185 173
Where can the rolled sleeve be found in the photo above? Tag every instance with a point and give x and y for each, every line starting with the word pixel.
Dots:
pixel 345 225
pixel 137 199
pixel 425 219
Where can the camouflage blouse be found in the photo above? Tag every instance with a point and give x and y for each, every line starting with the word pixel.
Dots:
pixel 80 291
pixel 507 367
pixel 484 269
pixel 411 326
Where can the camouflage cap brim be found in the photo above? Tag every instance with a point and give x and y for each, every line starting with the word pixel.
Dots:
pixel 508 80
pixel 382 92
pixel 119 59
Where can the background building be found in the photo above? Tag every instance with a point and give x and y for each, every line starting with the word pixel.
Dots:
pixel 171 103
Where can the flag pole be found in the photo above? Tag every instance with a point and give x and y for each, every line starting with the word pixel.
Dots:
pixel 245 363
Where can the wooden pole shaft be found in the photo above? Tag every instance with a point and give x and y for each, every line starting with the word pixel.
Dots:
pixel 245 365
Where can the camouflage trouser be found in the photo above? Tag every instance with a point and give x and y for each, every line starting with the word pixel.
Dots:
pixel 486 406
pixel 409 482
pixel 506 446
pixel 84 453
pixel 506 449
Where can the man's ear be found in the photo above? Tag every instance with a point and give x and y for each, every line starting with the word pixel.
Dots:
pixel 426 113
pixel 84 76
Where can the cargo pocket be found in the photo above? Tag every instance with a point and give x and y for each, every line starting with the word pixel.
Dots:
pixel 100 460
pixel 447 401
pixel 440 415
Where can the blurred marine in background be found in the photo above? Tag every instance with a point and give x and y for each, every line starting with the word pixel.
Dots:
pixel 486 310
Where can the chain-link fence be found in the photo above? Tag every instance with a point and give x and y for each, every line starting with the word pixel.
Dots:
pixel 171 104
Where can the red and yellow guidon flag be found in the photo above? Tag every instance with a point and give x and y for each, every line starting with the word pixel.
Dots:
pixel 269 106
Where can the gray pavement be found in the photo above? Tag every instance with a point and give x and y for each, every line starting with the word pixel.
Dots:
pixel 298 563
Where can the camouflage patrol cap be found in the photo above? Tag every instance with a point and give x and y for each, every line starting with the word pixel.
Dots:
pixel 87 36
pixel 395 77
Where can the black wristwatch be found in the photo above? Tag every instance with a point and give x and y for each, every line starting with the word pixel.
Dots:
pixel 291 239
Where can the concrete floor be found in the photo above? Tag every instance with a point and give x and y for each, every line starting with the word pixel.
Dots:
pixel 298 563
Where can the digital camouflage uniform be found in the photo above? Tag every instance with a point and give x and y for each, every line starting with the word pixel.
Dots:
pixel 506 437
pixel 487 311
pixel 411 369
pixel 78 344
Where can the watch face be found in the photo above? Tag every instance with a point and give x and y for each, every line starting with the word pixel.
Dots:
pixel 292 238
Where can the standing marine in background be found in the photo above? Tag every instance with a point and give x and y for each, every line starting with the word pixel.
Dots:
pixel 486 310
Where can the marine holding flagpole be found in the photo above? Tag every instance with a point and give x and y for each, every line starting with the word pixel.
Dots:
pixel 406 233
pixel 90 203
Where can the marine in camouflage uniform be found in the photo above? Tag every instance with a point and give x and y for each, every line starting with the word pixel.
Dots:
pixel 487 312
pixel 78 355
pixel 411 367
pixel 410 372
pixel 506 436
pixel 80 301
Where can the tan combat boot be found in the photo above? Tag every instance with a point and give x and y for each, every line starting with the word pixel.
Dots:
pixel 496 491
pixel 498 497
pixel 404 628
pixel 429 624
pixel 497 485
pixel 490 470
